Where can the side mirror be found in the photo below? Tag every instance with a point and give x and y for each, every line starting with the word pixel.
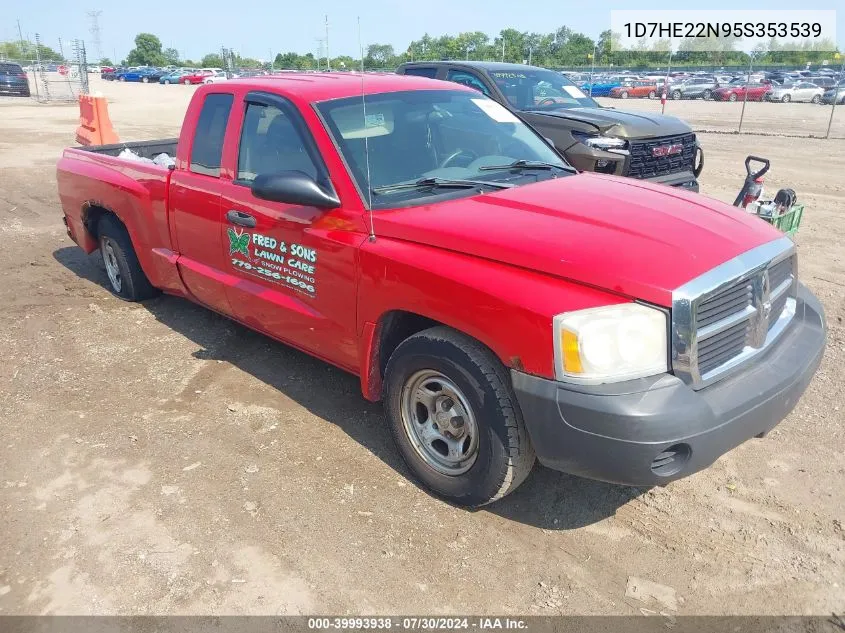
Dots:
pixel 293 187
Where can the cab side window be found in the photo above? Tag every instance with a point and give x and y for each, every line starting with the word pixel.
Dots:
pixel 467 79
pixel 270 143
pixel 207 147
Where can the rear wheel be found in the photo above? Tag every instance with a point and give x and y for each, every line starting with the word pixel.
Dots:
pixel 707 94
pixel 786 99
pixel 732 97
pixel 676 94
pixel 166 82
pixel 126 278
pixel 455 419
pixel 624 94
pixel 187 82
pixel 652 94
pixel 816 99
pixel 123 79
pixel 146 80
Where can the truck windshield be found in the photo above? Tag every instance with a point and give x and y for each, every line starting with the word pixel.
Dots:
pixel 418 140
pixel 538 89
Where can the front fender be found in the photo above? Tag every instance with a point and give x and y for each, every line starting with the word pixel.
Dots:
pixel 507 308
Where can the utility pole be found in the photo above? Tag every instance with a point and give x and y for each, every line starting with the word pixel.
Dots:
pixel 319 51
pixel 20 35
pixel 328 59
pixel 95 33
pixel 61 49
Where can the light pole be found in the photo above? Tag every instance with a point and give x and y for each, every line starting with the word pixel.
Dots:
pixel 839 82
pixel 593 67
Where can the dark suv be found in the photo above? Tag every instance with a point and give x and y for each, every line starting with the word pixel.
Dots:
pixel 592 138
pixel 13 80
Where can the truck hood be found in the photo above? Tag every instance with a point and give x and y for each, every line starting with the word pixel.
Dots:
pixel 621 123
pixel 626 236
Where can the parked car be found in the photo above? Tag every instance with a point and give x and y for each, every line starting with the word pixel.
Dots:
pixel 602 86
pixel 835 94
pixel 617 352
pixel 642 88
pixel 737 92
pixel 174 76
pixel 694 88
pixel 802 91
pixel 198 76
pixel 140 75
pixel 822 81
pixel 592 138
pixel 13 80
pixel 217 77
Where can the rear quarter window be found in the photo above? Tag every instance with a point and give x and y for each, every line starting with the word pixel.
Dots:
pixel 207 148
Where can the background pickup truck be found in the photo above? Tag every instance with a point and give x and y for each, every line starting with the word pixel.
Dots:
pixel 504 307
pixel 605 140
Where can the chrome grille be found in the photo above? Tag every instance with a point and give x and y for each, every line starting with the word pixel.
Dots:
pixel 732 312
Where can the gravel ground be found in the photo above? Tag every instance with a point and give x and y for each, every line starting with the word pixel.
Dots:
pixel 159 459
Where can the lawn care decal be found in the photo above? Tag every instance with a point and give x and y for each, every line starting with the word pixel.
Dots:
pixel 273 261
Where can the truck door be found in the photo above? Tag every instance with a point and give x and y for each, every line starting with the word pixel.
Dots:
pixel 294 266
pixel 194 206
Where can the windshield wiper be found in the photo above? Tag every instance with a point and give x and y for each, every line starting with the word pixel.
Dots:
pixel 448 183
pixel 525 164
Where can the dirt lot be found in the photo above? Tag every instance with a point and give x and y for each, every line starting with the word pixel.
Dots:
pixel 159 459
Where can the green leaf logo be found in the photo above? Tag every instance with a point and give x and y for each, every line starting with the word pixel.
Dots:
pixel 238 242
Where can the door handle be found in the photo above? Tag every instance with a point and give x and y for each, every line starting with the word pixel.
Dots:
pixel 240 218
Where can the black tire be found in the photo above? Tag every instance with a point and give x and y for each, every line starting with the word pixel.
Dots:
pixel 134 285
pixel 623 95
pixel 732 98
pixel 187 82
pixel 652 94
pixel 785 99
pixel 146 80
pixel 816 99
pixel 707 94
pixel 505 455
pixel 676 94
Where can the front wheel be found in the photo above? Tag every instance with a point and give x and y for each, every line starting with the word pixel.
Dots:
pixel 652 94
pixel 187 82
pixel 455 419
pixel 816 99
pixel 146 80
pixel 707 94
pixel 166 82
pixel 624 95
pixel 786 99
pixel 126 277
pixel 123 78
pixel 732 98
pixel 676 94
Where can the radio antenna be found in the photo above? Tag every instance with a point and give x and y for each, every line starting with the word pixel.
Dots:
pixel 366 139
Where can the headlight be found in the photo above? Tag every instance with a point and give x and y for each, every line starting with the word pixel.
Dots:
pixel 610 344
pixel 605 143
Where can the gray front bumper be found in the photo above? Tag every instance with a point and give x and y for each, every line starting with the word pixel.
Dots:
pixel 651 431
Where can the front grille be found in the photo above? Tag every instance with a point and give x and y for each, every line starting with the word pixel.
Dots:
pixel 644 164
pixel 733 312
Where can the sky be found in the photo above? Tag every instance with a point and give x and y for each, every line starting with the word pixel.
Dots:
pixel 261 29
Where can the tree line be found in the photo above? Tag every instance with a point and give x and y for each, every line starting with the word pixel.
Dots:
pixel 562 48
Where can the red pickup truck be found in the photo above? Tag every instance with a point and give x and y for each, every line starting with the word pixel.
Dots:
pixel 419 235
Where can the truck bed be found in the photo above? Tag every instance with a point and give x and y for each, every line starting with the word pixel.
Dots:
pixel 146 149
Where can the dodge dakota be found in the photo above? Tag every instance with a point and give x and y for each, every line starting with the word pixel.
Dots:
pixel 504 307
